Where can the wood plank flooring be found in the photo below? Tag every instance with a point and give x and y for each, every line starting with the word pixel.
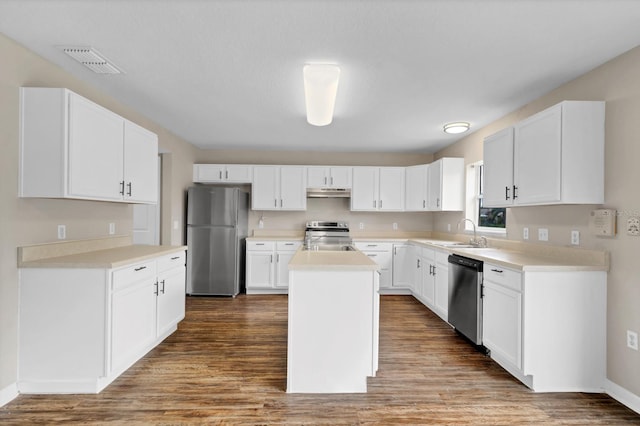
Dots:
pixel 226 364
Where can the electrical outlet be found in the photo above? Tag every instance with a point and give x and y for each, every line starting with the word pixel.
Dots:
pixel 632 340
pixel 395 226
pixel 543 234
pixel 361 225
pixel 525 233
pixel 112 228
pixel 448 227
pixel 575 237
pixel 633 226
pixel 62 232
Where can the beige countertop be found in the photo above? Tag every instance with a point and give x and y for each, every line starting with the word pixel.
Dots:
pixel 104 253
pixel 332 261
pixel 516 255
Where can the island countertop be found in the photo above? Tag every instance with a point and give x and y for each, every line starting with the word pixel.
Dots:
pixel 331 260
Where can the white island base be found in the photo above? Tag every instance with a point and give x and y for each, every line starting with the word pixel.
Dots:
pixel 333 327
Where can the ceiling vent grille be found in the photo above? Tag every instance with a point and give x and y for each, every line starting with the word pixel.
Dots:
pixel 90 58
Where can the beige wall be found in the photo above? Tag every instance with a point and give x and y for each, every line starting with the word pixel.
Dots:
pixel 28 221
pixel 326 209
pixel 618 83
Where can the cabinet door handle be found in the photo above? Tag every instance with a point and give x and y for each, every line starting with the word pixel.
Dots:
pixel 395 251
pixel 275 203
pixel 140 268
pixel 380 203
pixel 162 286
pixel 438 202
pixel 497 270
pixel 374 204
pixel 506 192
pixel 515 195
pixel 129 189
pixel 434 270
pixel 271 261
pixel 226 174
pixel 122 188
pixel 325 180
pixel 331 180
pixel 418 263
pixel 156 286
pixel 424 203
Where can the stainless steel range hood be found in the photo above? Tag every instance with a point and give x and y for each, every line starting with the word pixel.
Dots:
pixel 328 193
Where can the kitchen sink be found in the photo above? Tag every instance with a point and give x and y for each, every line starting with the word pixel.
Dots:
pixel 460 245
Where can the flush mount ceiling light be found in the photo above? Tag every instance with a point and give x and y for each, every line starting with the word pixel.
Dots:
pixel 90 58
pixel 320 88
pixel 458 127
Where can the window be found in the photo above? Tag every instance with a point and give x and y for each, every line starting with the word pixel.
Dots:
pixel 488 219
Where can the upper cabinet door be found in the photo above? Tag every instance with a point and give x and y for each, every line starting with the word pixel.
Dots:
pixel 416 188
pixel 317 177
pixel 434 182
pixel 391 189
pixel 498 169
pixel 364 195
pixel 537 157
pixel 140 164
pixel 208 173
pixel 95 150
pixel 293 188
pixel 340 177
pixel 264 191
pixel 238 173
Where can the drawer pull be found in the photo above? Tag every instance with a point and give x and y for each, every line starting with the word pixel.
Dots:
pixel 140 268
pixel 288 244
pixel 372 245
pixel 175 258
pixel 259 244
pixel 372 255
pixel 497 270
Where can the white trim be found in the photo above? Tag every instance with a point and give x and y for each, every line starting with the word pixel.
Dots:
pixel 622 395
pixel 8 394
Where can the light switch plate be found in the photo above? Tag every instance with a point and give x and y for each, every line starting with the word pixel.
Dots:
pixel 525 233
pixel 112 228
pixel 575 237
pixel 62 232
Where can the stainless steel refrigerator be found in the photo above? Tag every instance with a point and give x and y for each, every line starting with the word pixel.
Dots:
pixel 217 224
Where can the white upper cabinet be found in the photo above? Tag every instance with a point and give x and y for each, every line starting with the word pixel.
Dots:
pixel 416 188
pixel 222 173
pixel 498 169
pixel 140 164
pixel 71 147
pixel 558 158
pixel 279 188
pixel 445 183
pixel 378 189
pixel 328 177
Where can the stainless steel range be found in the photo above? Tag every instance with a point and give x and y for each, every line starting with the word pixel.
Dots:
pixel 324 235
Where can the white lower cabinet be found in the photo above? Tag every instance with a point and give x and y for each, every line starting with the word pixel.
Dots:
pixel 268 266
pixel 547 328
pixel 382 254
pixel 403 261
pixel 81 328
pixel 502 314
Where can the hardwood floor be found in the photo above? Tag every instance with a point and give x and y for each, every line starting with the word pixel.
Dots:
pixel 226 364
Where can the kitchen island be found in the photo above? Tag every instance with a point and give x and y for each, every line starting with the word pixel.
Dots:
pixel 333 322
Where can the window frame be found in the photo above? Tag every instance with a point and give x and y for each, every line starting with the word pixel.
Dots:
pixel 472 202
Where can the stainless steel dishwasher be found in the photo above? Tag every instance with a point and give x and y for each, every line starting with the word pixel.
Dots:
pixel 465 297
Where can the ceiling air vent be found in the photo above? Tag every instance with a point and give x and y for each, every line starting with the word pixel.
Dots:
pixel 90 58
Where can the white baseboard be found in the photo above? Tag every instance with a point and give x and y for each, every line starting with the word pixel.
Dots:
pixel 622 395
pixel 8 394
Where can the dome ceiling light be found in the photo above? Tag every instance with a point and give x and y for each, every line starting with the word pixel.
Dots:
pixel 457 127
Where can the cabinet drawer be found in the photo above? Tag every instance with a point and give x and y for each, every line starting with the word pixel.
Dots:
pixel 374 246
pixel 503 276
pixel 134 273
pixel 261 245
pixel 442 257
pixel 170 261
pixel 288 245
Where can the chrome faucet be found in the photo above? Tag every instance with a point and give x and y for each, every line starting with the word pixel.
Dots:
pixel 482 242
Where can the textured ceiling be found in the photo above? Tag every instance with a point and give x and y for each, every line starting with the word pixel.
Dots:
pixel 228 74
